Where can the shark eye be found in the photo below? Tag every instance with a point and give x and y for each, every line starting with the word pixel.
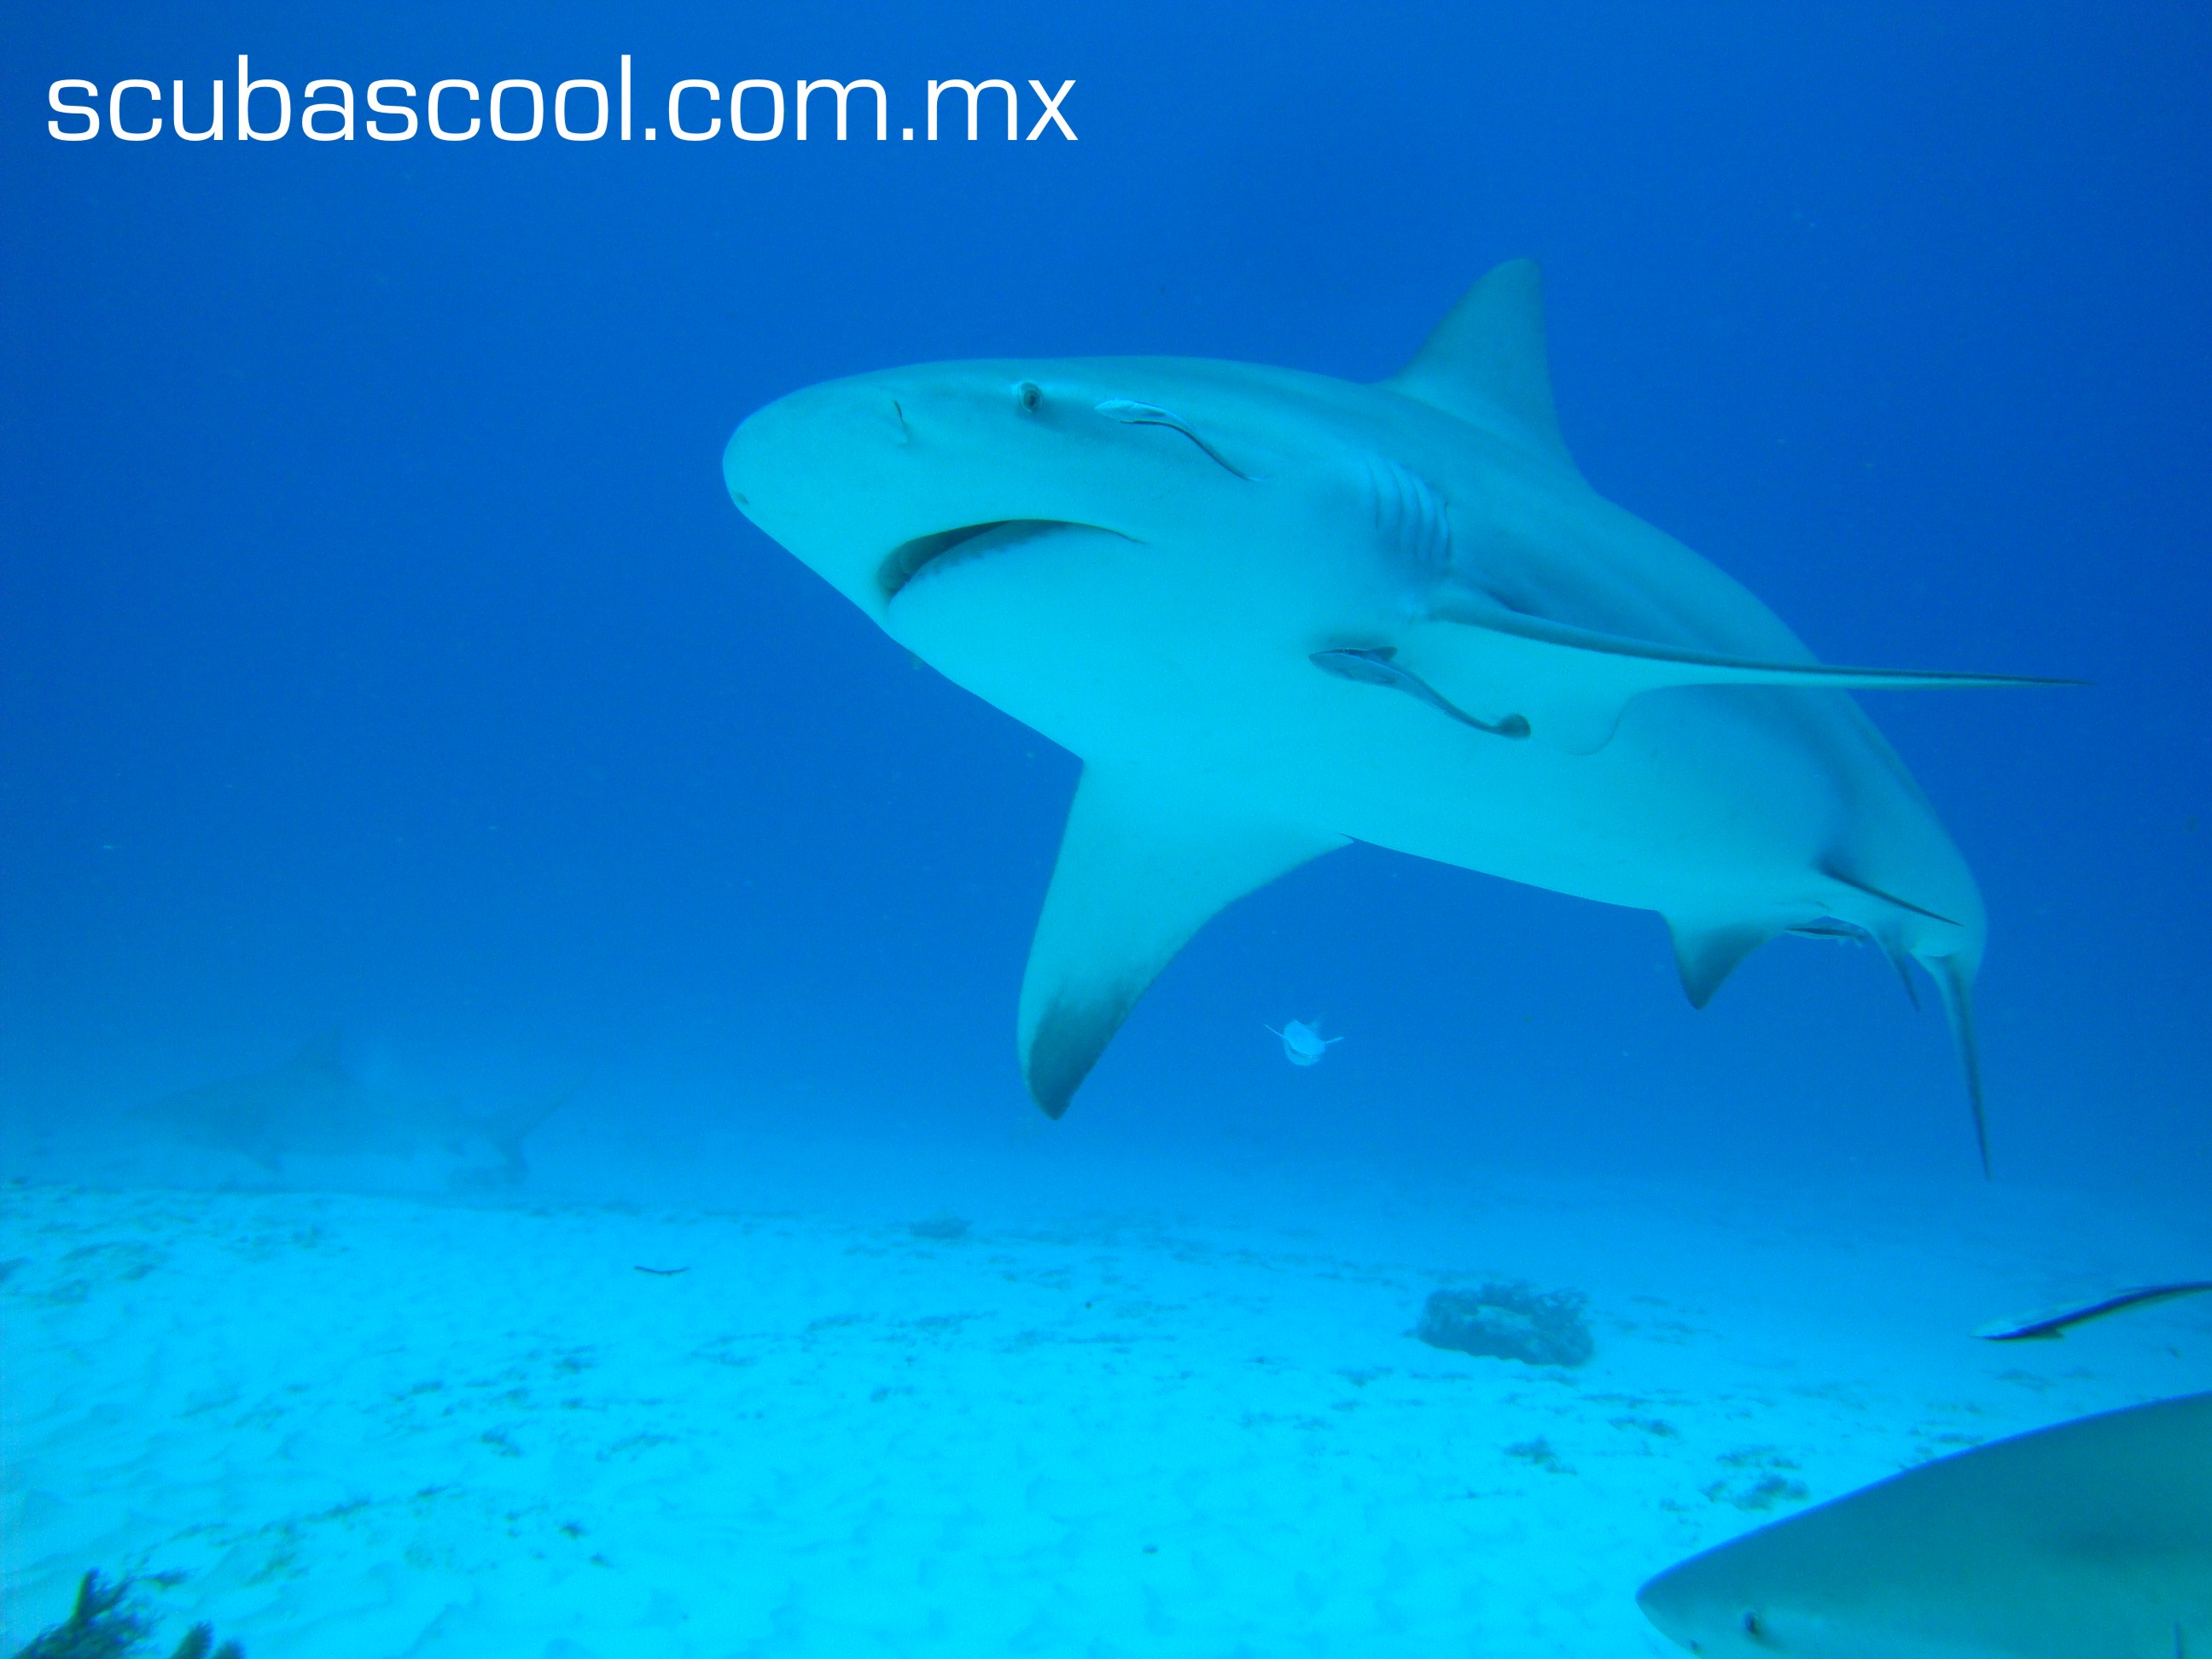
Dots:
pixel 1028 396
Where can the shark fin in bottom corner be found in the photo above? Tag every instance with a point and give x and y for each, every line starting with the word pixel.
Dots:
pixel 1955 981
pixel 1706 953
pixel 1142 867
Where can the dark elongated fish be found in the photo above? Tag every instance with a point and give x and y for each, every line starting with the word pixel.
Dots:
pixel 2089 1541
pixel 1376 667
pixel 2054 1322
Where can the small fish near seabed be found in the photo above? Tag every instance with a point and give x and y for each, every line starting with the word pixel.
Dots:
pixel 1275 613
pixel 1303 1044
pixel 311 1106
pixel 2089 1541
pixel 2048 1324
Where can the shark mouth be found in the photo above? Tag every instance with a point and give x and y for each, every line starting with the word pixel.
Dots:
pixel 947 547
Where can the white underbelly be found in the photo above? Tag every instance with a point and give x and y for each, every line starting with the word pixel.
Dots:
pixel 1700 791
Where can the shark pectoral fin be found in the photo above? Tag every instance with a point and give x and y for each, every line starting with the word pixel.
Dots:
pixel 1142 867
pixel 1707 952
pixel 1571 684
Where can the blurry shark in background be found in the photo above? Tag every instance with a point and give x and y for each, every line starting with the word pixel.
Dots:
pixel 2089 1541
pixel 1273 612
pixel 313 1107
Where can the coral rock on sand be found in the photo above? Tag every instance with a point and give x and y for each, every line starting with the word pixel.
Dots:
pixel 1510 1321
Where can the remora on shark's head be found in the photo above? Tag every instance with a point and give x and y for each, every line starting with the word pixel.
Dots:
pixel 1274 612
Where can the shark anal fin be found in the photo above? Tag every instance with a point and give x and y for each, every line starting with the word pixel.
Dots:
pixel 1902 962
pixel 1143 865
pixel 1573 682
pixel 1706 953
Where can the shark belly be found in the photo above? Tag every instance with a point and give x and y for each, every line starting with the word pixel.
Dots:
pixel 1197 674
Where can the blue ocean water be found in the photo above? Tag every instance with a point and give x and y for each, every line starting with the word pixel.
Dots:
pixel 382 652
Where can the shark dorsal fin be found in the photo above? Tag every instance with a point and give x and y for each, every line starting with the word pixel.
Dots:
pixel 1143 865
pixel 1487 358
pixel 321 1054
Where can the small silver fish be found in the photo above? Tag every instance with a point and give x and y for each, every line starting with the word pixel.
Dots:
pixel 1304 1045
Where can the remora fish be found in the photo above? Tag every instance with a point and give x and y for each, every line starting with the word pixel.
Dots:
pixel 311 1106
pixel 1274 612
pixel 2050 1323
pixel 2089 1541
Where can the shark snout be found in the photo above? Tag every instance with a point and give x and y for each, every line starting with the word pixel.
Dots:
pixel 828 438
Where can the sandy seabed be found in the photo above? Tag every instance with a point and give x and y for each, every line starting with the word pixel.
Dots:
pixel 339 1425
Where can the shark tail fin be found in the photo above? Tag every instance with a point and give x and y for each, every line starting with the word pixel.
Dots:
pixel 1953 978
pixel 1142 867
pixel 506 1128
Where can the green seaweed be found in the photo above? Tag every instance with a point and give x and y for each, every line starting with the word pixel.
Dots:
pixel 103 1626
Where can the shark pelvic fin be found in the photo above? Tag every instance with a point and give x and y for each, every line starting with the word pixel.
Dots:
pixel 1955 980
pixel 1706 953
pixel 1142 867
pixel 1573 682
pixel 1487 357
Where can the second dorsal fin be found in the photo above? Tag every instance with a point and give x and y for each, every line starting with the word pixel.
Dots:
pixel 1487 358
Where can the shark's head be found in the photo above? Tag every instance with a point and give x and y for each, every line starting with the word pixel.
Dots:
pixel 877 481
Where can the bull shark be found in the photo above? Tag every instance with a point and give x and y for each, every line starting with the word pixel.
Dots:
pixel 1274 612
pixel 313 1107
pixel 2089 1541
